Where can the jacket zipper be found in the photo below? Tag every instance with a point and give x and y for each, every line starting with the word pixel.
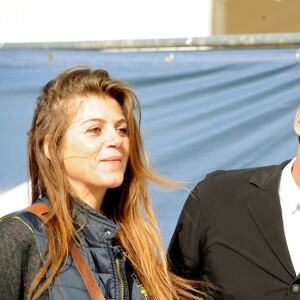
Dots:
pixel 120 278
pixel 140 286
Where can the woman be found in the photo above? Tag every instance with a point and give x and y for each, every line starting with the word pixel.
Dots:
pixel 88 164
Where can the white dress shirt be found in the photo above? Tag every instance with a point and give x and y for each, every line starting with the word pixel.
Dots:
pixel 289 195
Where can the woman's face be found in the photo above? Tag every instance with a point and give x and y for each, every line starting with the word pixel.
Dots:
pixel 96 147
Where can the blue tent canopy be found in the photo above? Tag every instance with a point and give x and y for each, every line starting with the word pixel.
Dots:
pixel 201 110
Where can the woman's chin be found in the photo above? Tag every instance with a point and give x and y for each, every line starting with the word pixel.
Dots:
pixel 115 183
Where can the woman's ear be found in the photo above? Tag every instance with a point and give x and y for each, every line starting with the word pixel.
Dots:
pixel 46 148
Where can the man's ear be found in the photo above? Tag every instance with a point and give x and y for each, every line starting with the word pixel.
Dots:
pixel 297 122
pixel 46 147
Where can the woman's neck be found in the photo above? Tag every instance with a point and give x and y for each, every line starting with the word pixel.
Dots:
pixel 92 198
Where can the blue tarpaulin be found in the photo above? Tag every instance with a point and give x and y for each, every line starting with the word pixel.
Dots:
pixel 201 110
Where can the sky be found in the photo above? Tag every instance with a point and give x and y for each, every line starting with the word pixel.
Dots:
pixel 90 20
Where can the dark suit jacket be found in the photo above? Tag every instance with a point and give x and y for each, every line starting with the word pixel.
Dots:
pixel 230 233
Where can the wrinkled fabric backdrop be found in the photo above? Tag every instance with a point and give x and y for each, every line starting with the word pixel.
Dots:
pixel 201 110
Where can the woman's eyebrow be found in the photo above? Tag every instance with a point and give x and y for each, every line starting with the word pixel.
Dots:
pixel 121 121
pixel 100 120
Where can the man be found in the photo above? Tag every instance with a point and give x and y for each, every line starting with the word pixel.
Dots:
pixel 240 231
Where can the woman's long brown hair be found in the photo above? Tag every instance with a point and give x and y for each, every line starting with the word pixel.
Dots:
pixel 131 210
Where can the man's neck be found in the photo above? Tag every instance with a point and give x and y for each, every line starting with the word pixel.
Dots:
pixel 296 169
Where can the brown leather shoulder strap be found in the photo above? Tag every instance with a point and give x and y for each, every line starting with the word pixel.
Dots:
pixel 41 211
pixel 89 280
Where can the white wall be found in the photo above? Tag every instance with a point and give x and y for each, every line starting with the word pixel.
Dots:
pixel 15 199
pixel 78 20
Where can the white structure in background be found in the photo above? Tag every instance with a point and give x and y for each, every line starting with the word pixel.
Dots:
pixel 15 199
pixel 98 20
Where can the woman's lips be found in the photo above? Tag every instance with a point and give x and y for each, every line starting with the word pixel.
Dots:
pixel 112 159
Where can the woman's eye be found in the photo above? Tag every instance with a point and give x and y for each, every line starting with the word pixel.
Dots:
pixel 95 130
pixel 123 130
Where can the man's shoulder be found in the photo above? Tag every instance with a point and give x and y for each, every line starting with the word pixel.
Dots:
pixel 243 175
pixel 230 187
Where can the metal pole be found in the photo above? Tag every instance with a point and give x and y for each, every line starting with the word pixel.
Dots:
pixel 193 43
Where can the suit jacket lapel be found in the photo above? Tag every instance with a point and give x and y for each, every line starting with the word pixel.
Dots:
pixel 265 209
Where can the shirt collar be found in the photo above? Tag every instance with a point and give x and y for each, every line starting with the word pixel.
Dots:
pixel 288 190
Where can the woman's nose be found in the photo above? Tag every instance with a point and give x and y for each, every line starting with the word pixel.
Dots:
pixel 113 139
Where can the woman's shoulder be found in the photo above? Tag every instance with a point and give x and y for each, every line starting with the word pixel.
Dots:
pixel 20 259
pixel 14 229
